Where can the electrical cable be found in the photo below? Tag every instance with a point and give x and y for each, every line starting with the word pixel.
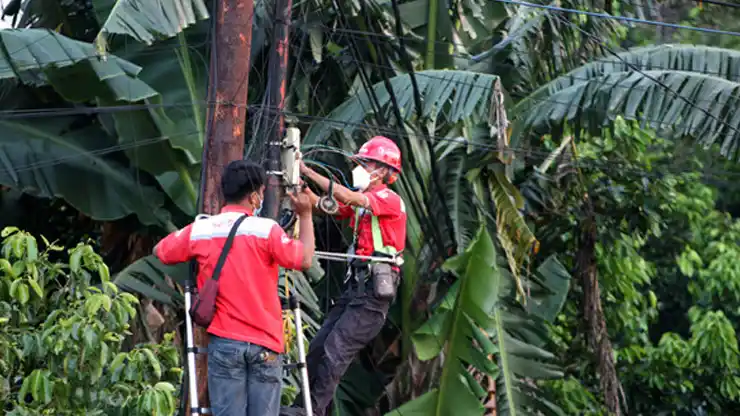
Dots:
pixel 661 84
pixel 52 112
pixel 718 3
pixel 620 18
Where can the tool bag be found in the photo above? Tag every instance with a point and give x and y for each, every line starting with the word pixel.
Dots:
pixel 204 306
pixel 382 275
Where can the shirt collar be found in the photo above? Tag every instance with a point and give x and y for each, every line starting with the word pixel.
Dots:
pixel 236 208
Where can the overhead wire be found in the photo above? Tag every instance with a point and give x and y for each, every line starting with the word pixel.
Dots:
pixel 620 18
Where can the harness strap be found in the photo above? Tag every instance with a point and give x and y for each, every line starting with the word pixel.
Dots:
pixel 377 236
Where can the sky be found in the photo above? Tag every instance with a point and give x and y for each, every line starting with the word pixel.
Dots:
pixel 8 19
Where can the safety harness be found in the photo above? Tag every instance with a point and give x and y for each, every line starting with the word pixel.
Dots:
pixel 359 265
pixel 377 236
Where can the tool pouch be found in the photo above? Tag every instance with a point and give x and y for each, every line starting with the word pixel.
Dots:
pixel 384 281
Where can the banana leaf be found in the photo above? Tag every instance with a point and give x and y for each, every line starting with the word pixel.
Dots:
pixel 147 277
pixel 51 157
pixel 148 20
pixel 475 322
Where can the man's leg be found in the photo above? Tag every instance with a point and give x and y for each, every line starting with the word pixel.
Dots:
pixel 227 377
pixel 316 348
pixel 359 324
pixel 264 384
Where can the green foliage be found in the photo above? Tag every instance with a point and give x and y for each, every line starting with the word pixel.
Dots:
pixel 657 86
pixel 61 338
pixel 667 271
pixel 482 331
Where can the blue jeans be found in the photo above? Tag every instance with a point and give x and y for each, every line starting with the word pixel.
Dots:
pixel 243 379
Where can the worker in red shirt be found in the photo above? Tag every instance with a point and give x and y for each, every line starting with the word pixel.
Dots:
pixel 378 217
pixel 246 334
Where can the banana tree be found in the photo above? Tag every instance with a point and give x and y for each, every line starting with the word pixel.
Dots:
pixel 678 90
pixel 482 330
pixel 69 155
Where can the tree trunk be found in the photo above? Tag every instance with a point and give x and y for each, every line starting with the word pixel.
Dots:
pixel 598 337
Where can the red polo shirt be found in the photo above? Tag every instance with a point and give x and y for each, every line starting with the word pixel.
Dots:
pixel 247 306
pixel 391 212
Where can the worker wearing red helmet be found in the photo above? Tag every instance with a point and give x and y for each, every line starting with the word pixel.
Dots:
pixel 378 218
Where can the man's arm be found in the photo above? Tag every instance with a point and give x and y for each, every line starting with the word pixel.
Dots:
pixel 341 193
pixel 175 248
pixel 307 238
pixel 290 253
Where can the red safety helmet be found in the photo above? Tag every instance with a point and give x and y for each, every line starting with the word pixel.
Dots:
pixel 381 149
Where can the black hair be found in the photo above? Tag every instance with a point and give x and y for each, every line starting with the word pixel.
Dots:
pixel 241 178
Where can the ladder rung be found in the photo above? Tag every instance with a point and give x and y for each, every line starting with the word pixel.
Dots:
pixel 293 366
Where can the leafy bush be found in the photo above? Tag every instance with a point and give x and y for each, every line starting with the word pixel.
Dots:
pixel 61 332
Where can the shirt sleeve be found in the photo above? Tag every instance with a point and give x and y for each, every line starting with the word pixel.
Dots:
pixel 344 212
pixel 385 203
pixel 286 252
pixel 175 248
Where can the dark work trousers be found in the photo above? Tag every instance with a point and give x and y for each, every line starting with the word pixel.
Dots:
pixel 351 324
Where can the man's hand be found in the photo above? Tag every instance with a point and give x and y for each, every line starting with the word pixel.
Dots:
pixel 304 169
pixel 301 201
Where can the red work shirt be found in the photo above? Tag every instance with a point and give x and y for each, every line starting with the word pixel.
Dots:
pixel 391 212
pixel 247 306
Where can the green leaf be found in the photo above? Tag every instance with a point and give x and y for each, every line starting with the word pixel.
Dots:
pixel 14 288
pixel 39 57
pixel 664 86
pixel 22 293
pixel 67 163
pixel 103 272
pixel 423 405
pixel 440 90
pixel 7 231
pixel 147 21
pixel 476 308
pixel 36 288
pixel 32 250
pixel 164 386
pixel 116 366
pixel 5 265
pixel 550 289
pixel 93 304
pixel 153 362
pixel 147 277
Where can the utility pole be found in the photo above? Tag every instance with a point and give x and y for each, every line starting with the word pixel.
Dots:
pixel 227 118
pixel 276 107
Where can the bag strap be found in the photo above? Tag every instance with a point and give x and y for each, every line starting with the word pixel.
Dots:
pixel 227 247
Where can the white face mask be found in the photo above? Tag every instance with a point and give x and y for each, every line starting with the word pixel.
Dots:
pixel 258 211
pixel 360 178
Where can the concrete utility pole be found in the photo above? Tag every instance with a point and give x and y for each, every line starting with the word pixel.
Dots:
pixel 226 123
pixel 276 107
